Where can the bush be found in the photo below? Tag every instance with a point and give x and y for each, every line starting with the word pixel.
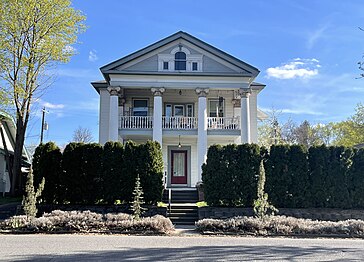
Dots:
pixel 47 164
pixel 356 179
pixel 230 175
pixel 113 177
pixel 81 173
pixel 86 221
pixel 281 225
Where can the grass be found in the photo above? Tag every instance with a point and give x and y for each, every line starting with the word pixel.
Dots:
pixel 201 204
pixel 8 200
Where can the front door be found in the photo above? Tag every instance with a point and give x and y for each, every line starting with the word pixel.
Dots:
pixel 179 167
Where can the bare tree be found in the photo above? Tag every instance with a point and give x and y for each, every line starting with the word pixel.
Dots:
pixel 82 135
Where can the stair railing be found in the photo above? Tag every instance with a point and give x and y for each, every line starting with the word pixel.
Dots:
pixel 169 199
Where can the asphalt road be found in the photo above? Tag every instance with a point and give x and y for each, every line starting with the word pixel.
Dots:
pixel 167 248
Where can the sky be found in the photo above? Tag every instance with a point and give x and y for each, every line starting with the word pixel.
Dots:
pixel 307 53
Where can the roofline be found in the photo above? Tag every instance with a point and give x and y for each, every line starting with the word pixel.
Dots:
pixel 221 54
pixel 176 73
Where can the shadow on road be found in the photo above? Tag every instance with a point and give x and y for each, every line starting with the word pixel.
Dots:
pixel 212 253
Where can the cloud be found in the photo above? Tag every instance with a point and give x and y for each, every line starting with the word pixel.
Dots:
pixel 53 106
pixel 316 35
pixel 297 68
pixel 92 56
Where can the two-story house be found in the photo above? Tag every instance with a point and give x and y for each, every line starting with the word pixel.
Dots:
pixel 183 93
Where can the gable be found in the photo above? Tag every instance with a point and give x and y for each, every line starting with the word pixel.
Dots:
pixel 199 55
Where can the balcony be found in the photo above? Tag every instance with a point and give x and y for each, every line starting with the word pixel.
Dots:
pixel 179 123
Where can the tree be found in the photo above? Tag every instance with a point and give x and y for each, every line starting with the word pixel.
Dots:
pixel 82 135
pixel 261 205
pixel 137 200
pixel 34 36
pixel 29 202
pixel 351 131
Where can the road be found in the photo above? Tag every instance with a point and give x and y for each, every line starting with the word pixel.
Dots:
pixel 168 248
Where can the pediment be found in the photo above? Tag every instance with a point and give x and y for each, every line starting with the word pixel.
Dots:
pixel 201 58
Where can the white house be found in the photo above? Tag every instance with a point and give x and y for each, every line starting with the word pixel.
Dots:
pixel 7 144
pixel 183 93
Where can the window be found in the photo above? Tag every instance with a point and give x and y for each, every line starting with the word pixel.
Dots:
pixel 168 110
pixel 165 65
pixel 216 107
pixel 189 109
pixel 194 66
pixel 180 61
pixel 140 107
pixel 179 110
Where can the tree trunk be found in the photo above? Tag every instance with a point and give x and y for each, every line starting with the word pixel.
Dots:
pixel 18 155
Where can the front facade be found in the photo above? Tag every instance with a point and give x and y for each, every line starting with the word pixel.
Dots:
pixel 183 93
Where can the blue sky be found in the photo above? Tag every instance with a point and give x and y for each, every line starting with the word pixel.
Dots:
pixel 307 52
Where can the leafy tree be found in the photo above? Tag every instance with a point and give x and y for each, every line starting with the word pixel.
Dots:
pixel 34 35
pixel 82 135
pixel 351 131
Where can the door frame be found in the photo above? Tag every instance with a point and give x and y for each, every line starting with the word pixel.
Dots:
pixel 169 165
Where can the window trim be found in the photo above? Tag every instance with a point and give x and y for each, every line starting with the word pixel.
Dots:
pixel 216 100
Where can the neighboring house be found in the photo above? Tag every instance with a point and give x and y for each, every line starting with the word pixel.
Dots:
pixel 8 128
pixel 183 93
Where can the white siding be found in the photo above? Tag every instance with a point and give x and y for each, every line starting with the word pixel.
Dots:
pixel 253 117
pixel 104 116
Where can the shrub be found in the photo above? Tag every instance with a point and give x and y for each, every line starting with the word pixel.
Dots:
pixel 86 221
pixel 281 225
pixel 356 179
pixel 47 164
pixel 30 199
pixel 82 167
pixel 113 177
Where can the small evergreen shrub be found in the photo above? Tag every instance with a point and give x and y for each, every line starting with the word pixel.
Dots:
pixel 31 196
pixel 136 205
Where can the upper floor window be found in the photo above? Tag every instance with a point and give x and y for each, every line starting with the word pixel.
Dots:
pixel 165 65
pixel 180 61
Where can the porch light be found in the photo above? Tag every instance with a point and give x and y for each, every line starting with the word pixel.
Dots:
pixel 180 92
pixel 179 141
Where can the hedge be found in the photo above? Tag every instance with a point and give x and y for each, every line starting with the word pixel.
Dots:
pixel 322 177
pixel 230 174
pixel 92 174
pixel 47 163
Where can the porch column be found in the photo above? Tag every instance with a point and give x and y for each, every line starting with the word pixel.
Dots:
pixel 114 113
pixel 245 115
pixel 157 114
pixel 202 130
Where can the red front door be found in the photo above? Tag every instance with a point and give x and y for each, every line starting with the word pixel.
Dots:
pixel 179 167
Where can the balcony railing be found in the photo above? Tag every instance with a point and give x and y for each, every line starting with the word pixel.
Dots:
pixel 227 123
pixel 136 122
pixel 179 122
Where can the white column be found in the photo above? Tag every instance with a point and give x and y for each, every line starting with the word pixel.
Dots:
pixel 157 115
pixel 104 116
pixel 202 130
pixel 114 113
pixel 245 116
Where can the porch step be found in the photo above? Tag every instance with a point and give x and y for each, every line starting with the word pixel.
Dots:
pixel 181 196
pixel 183 214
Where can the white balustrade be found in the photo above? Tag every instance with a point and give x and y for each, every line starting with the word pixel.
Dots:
pixel 136 122
pixel 179 122
pixel 229 123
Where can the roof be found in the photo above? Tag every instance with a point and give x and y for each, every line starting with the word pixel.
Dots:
pixel 110 68
pixel 9 129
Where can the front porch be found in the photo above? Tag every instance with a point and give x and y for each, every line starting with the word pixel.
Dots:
pixel 179 123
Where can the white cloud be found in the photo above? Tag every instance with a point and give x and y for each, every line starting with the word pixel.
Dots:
pixel 297 68
pixel 316 35
pixel 52 106
pixel 92 56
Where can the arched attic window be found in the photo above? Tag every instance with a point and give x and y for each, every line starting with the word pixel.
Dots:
pixel 180 61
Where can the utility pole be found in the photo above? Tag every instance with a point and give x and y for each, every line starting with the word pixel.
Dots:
pixel 42 129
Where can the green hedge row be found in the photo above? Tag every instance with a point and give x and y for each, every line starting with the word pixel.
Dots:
pixel 91 173
pixel 331 177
